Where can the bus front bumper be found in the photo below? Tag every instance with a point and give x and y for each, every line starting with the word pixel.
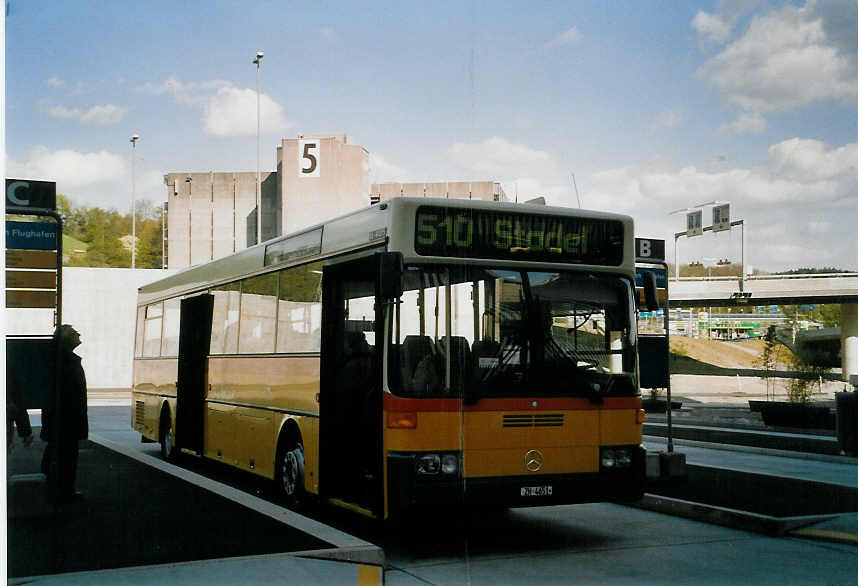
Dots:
pixel 407 489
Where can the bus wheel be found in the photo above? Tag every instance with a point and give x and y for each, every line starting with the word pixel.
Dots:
pixel 168 449
pixel 289 475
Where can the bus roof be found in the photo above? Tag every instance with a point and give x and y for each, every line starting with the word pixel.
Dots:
pixel 368 227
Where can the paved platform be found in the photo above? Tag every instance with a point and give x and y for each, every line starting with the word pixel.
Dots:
pixel 142 520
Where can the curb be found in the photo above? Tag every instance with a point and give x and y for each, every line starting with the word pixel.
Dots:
pixel 733 518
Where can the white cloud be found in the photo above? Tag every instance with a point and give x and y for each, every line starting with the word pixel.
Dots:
pixel 818 227
pixel 809 160
pixel 747 122
pixel 711 27
pixel 185 93
pixel 63 112
pixel 232 112
pixel 568 36
pixel 499 158
pixel 794 172
pixel 527 188
pixel 71 168
pixel 328 34
pixel 784 61
pixel 101 115
pixel 227 110
pixel 667 119
pixel 381 170
pixel 55 81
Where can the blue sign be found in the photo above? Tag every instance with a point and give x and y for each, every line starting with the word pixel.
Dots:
pixel 660 277
pixel 31 235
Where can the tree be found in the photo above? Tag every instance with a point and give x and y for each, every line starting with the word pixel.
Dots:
pixel 149 237
pixel 768 360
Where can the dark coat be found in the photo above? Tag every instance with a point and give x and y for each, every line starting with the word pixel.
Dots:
pixel 73 423
pixel 16 413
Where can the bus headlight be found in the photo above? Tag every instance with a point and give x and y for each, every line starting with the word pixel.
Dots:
pixel 449 464
pixel 428 464
pixel 434 464
pixel 615 458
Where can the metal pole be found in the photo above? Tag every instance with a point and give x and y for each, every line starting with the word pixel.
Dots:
pixel 258 62
pixel 164 236
pixel 675 257
pixel 667 336
pixel 742 254
pixel 134 139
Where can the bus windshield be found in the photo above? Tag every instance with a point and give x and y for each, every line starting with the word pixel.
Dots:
pixel 475 332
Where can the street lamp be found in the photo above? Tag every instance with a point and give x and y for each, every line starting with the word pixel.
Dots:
pixel 134 139
pixel 258 62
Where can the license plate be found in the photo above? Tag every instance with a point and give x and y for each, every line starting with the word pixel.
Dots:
pixel 537 490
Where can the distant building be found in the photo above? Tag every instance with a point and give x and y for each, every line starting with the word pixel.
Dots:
pixel 486 190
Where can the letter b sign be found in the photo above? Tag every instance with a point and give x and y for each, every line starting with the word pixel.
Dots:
pixel 649 249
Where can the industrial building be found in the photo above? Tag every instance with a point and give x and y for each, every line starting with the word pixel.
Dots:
pixel 212 215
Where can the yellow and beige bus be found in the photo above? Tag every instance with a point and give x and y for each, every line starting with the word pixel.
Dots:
pixel 416 352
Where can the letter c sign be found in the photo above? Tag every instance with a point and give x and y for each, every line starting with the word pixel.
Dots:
pixel 27 193
pixel 12 195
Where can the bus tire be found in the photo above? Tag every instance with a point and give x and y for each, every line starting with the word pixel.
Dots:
pixel 165 437
pixel 289 474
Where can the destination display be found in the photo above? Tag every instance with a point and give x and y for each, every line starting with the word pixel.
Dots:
pixel 468 233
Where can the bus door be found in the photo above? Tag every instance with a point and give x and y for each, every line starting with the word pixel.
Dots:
pixel 350 410
pixel 194 338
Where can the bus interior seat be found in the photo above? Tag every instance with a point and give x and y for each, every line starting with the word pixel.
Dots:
pixel 483 349
pixel 357 362
pixel 460 359
pixel 413 351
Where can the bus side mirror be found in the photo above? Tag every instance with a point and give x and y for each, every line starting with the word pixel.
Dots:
pixel 390 269
pixel 649 286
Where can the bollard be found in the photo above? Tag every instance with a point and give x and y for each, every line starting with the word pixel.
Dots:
pixel 847 422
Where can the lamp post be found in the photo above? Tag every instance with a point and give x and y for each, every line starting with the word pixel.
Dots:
pixel 134 138
pixel 258 62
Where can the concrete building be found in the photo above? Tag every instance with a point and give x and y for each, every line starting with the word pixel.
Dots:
pixel 486 190
pixel 212 215
pixel 320 177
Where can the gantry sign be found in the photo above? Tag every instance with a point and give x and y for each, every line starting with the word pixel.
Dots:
pixel 33 249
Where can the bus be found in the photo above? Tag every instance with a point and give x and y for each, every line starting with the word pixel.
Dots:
pixel 417 352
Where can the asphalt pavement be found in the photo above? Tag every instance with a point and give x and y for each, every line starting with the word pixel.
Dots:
pixel 140 521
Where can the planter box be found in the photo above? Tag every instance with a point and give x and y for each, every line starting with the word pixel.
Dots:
pixel 796 415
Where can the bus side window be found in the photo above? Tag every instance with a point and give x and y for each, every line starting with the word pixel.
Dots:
pixel 299 311
pixel 141 322
pixel 170 341
pixel 224 338
pixel 258 314
pixel 152 331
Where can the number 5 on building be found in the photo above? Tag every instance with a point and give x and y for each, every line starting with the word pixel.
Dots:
pixel 309 159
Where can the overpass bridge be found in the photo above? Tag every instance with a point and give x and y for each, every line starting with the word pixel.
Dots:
pixel 839 288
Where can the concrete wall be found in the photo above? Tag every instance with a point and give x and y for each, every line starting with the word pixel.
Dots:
pixel 100 304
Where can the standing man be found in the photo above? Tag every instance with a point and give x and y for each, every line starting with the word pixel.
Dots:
pixel 64 420
pixel 16 411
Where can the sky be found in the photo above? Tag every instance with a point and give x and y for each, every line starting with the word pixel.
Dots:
pixel 638 107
